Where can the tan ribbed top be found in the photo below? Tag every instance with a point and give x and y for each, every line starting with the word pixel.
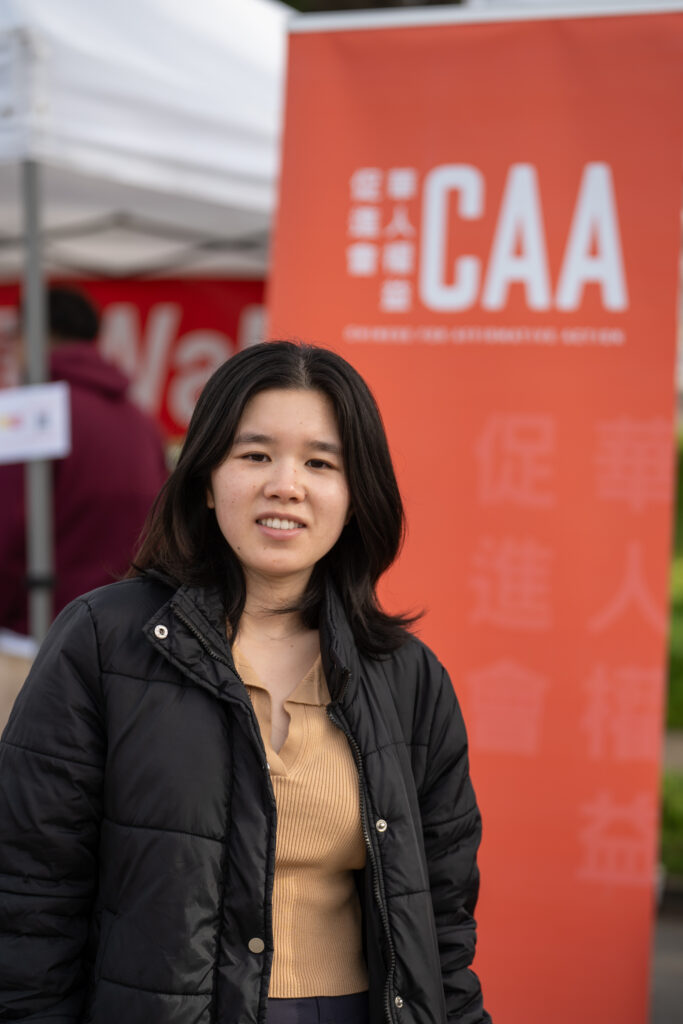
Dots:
pixel 316 911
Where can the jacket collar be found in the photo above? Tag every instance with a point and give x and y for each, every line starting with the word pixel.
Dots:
pixel 203 608
pixel 201 611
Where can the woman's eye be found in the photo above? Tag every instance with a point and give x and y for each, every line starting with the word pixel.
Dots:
pixel 255 456
pixel 319 464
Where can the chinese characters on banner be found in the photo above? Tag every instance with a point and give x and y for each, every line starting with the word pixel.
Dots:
pixel 380 246
pixel 486 221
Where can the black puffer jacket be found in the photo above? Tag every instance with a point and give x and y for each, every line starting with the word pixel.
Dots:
pixel 137 823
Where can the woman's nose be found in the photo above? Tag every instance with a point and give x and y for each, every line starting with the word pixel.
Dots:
pixel 284 482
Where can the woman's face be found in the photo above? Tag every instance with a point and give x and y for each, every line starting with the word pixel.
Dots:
pixel 281 495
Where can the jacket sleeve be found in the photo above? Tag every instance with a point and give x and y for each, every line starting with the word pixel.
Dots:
pixel 51 765
pixel 452 831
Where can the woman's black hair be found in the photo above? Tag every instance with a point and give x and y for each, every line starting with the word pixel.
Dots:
pixel 182 537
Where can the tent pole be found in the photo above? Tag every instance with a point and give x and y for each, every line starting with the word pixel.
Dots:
pixel 38 474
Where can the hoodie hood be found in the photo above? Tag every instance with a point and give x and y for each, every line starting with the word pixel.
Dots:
pixel 81 365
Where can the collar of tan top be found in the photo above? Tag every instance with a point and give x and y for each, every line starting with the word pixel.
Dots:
pixel 311 690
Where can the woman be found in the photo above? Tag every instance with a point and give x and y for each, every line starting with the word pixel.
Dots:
pixel 245 677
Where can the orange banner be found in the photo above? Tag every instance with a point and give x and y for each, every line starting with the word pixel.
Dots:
pixel 484 217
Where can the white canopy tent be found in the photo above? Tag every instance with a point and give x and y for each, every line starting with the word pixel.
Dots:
pixel 136 137
pixel 156 126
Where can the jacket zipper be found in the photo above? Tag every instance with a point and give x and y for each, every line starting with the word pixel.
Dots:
pixel 202 639
pixel 340 724
pixel 219 657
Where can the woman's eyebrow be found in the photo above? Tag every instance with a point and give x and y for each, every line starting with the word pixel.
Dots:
pixel 320 446
pixel 325 446
pixel 254 439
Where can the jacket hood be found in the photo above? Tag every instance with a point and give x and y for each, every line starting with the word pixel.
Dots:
pixel 80 364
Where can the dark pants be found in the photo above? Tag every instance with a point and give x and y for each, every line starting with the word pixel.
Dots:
pixel 351 1009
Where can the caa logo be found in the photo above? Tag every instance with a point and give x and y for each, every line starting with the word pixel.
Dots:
pixel 592 254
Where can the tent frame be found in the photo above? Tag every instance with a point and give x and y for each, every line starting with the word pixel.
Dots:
pixel 40 576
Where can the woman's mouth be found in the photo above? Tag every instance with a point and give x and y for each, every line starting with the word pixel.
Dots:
pixel 280 524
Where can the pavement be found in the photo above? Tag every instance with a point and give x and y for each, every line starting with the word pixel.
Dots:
pixel 673 755
pixel 666 1002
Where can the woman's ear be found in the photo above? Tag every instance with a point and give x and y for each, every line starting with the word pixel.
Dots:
pixel 349 516
pixel 210 503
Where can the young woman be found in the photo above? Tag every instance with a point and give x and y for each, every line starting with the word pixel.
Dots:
pixel 233 789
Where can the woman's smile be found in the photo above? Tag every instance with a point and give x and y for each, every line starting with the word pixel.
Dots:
pixel 280 525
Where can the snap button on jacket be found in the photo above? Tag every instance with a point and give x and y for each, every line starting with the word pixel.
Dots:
pixel 137 822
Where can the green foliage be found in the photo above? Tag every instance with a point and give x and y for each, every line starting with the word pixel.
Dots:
pixel 672 823
pixel 675 707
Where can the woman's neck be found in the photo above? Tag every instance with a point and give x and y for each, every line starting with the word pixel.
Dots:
pixel 261 623
pixel 264 615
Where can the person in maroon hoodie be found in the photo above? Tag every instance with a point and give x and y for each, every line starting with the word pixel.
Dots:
pixel 102 490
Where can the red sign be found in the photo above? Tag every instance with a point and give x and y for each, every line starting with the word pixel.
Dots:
pixel 167 336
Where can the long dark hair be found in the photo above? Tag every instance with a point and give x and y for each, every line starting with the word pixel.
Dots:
pixel 182 537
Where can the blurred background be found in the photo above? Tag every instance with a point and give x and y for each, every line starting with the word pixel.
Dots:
pixel 142 189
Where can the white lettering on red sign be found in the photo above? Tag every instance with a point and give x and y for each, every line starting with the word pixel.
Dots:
pixel 158 361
